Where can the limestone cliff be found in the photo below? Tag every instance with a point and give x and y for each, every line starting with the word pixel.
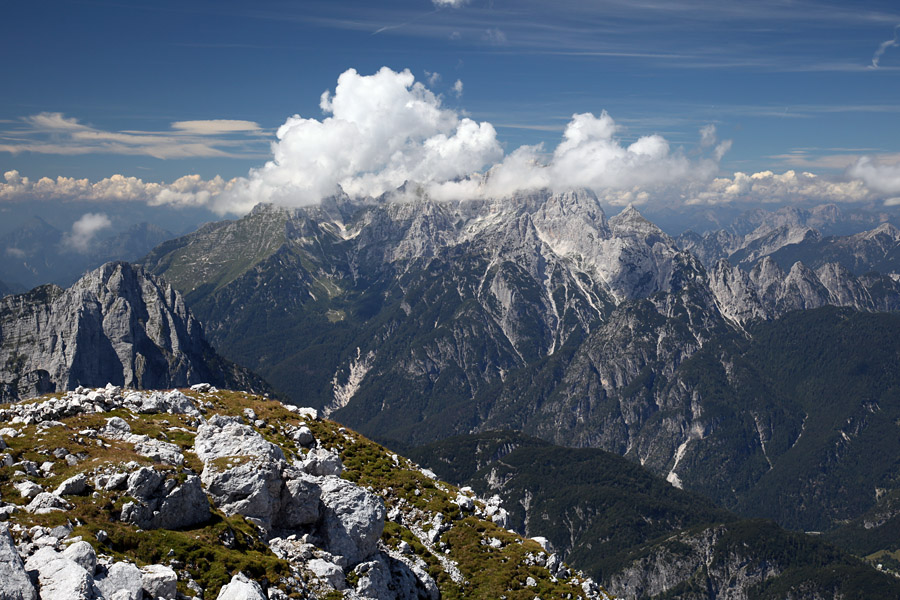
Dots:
pixel 116 324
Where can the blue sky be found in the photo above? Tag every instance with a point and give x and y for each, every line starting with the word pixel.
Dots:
pixel 159 90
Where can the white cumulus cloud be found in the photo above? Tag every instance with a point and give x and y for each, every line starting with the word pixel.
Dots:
pixel 878 176
pixel 190 190
pixel 767 187
pixel 383 130
pixel 85 230
pixel 590 155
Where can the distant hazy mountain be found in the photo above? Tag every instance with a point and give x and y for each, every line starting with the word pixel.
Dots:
pixel 6 289
pixel 37 253
pixel 115 325
pixel 755 234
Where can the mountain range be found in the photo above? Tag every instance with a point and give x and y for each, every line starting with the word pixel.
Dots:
pixel 740 374
pixel 760 385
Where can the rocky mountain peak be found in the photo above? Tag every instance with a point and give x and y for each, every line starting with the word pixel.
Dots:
pixel 117 323
pixel 630 222
pixel 268 208
pixel 885 229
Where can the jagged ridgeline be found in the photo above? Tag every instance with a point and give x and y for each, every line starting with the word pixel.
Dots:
pixel 116 324
pixel 412 319
pixel 111 493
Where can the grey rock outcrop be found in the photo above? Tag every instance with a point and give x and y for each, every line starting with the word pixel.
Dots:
pixel 326 528
pixel 159 581
pixel 223 437
pixel 328 572
pixel 162 503
pixel 322 462
pixel 46 502
pixel 28 489
pixel 665 569
pixel 766 291
pixel 122 581
pixel 241 588
pixel 353 519
pixel 250 487
pixel 161 452
pixel 60 578
pixel 14 581
pixel 385 576
pixel 73 486
pixel 245 474
pixel 173 402
pixel 83 554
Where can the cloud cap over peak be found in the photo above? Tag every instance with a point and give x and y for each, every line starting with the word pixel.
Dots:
pixel 384 129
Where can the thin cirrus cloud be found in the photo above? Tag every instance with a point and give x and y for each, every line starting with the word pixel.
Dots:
pixel 882 48
pixel 217 126
pixel 723 35
pixel 55 133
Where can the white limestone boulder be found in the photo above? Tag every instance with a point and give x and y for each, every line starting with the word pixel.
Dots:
pixel 121 577
pixel 83 554
pixel 28 489
pixel 45 502
pixel 352 520
pixel 73 486
pixel 14 581
pixel 241 588
pixel 322 462
pixel 60 578
pixel 223 436
pixel 159 581
pixel 162 502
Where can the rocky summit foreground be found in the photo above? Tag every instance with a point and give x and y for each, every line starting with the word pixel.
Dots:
pixel 112 493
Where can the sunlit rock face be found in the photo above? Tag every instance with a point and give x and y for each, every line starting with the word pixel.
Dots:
pixel 116 324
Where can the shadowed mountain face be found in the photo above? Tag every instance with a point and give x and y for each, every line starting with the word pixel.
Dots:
pixel 115 325
pixel 414 320
pixel 637 534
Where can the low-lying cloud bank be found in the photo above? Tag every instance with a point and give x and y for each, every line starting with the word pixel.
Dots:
pixel 384 129
pixel 190 190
